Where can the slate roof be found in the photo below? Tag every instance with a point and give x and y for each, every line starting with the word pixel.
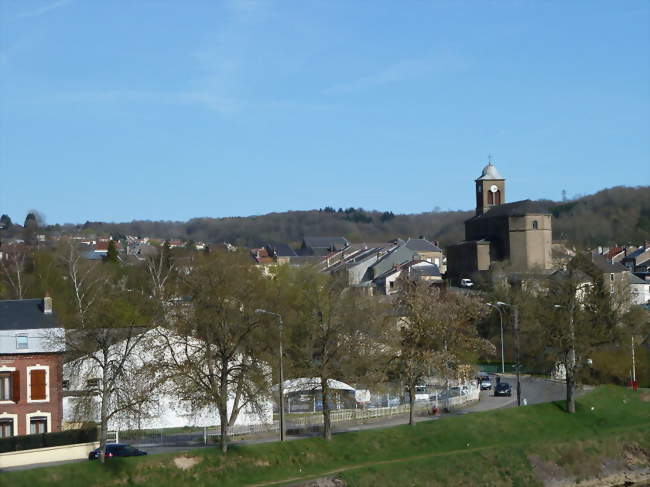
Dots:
pixel 632 279
pixel 282 250
pixel 606 266
pixel 325 242
pixel 25 314
pixel 421 245
pixel 517 208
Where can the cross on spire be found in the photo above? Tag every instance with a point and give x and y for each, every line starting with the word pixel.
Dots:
pixel 490 158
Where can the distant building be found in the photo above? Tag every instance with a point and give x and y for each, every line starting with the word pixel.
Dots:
pixel 31 362
pixel 517 234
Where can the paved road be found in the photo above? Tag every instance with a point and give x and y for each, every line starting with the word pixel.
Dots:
pixel 535 390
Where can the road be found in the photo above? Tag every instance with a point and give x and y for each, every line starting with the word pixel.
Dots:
pixel 535 390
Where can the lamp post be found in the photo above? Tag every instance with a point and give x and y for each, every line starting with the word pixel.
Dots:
pixel 515 325
pixel 281 385
pixel 503 365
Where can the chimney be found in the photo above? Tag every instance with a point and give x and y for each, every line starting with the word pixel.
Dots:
pixel 47 304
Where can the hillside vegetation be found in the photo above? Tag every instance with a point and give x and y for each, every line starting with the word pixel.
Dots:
pixel 615 215
pixel 609 433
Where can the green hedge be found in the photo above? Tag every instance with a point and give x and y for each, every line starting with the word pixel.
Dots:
pixel 29 442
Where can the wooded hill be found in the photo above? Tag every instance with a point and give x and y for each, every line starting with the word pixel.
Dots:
pixel 616 215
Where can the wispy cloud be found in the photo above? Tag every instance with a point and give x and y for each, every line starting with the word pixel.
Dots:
pixel 37 12
pixel 403 71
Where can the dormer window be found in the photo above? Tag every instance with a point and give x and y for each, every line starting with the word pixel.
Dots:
pixel 22 342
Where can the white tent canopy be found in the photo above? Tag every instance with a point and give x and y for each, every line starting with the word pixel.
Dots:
pixel 306 384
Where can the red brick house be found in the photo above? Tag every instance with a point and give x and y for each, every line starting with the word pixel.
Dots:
pixel 31 364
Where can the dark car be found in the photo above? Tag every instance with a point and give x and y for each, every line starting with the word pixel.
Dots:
pixel 117 450
pixel 503 389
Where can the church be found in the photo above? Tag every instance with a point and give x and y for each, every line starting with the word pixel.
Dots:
pixel 517 235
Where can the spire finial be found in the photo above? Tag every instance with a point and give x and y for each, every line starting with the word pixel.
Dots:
pixel 490 158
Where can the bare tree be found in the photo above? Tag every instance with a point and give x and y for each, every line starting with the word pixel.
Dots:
pixel 14 269
pixel 334 332
pixel 103 341
pixel 438 334
pixel 212 354
pixel 584 313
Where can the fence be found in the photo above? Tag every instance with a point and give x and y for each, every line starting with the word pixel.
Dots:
pixel 199 436
pixel 43 440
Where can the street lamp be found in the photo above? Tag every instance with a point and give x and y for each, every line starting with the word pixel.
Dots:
pixel 515 325
pixel 503 366
pixel 281 386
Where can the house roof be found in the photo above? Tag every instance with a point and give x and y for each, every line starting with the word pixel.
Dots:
pixel 421 245
pixel 283 250
pixel 632 279
pixel 25 314
pixel 517 208
pixel 606 266
pixel 325 242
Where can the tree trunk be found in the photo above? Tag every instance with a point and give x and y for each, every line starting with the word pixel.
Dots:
pixel 570 386
pixel 327 423
pixel 411 403
pixel 223 417
pixel 103 431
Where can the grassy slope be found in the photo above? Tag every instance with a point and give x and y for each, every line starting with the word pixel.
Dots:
pixel 478 446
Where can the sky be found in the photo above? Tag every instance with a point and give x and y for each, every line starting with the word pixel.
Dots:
pixel 117 110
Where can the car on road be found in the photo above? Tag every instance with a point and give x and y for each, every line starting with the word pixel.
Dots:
pixel 117 450
pixel 484 382
pixel 503 389
pixel 466 283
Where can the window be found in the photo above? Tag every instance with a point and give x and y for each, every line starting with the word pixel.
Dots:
pixel 37 425
pixel 535 225
pixel 5 386
pixel 65 384
pixel 38 385
pixel 9 386
pixel 6 428
pixel 92 383
pixel 22 342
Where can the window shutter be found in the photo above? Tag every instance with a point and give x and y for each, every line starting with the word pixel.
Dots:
pixel 15 386
pixel 38 385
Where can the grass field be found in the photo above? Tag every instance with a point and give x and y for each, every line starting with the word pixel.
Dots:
pixel 504 447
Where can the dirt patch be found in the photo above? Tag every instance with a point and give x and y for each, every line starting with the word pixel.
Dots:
pixel 548 472
pixel 635 455
pixel 645 397
pixel 323 482
pixel 185 463
pixel 259 462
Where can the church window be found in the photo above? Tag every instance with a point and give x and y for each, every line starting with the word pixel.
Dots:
pixel 535 225
pixel 497 197
pixel 490 198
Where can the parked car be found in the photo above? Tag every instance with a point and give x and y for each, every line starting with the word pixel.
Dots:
pixel 117 450
pixel 503 389
pixel 484 382
pixel 466 283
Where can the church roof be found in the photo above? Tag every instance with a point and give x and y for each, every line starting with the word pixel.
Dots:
pixel 517 208
pixel 490 172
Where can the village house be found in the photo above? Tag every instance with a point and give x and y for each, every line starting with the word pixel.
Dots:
pixel 31 361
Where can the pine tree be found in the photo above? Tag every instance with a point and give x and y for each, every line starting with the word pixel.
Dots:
pixel 111 255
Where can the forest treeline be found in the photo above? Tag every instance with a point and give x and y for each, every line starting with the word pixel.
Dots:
pixel 616 215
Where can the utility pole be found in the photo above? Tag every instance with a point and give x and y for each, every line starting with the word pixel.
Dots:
pixel 515 319
pixel 633 363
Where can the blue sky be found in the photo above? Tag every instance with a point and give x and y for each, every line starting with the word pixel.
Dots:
pixel 117 110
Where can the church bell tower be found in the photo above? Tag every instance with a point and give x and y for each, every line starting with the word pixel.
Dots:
pixel 490 189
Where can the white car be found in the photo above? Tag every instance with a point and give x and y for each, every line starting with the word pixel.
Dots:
pixel 466 283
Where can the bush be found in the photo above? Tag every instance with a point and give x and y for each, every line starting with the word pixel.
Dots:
pixel 44 440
